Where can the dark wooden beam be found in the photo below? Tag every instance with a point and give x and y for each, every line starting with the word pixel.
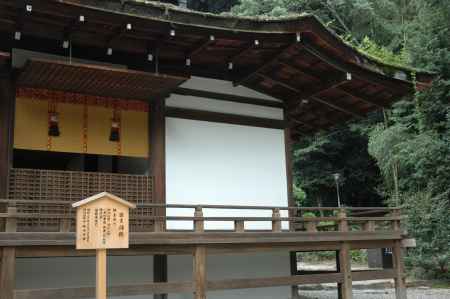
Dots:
pixel 157 156
pixel 7 103
pixel 267 63
pixel 226 97
pixel 225 118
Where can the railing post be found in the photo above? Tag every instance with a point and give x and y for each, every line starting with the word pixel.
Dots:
pixel 311 226
pixel 345 267
pixel 65 225
pixel 396 225
pixel 158 225
pixel 11 221
pixel 369 226
pixel 343 224
pixel 8 263
pixel 239 226
pixel 199 225
pixel 276 221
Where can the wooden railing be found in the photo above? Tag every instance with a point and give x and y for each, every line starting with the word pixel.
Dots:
pixel 61 216
pixel 343 220
pixel 46 195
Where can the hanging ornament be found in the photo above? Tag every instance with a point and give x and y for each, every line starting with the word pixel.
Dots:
pixel 53 120
pixel 115 127
pixel 53 128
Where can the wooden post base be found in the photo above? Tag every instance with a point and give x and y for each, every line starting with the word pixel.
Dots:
pixel 400 284
pixel 101 274
pixel 200 272
pixel 8 273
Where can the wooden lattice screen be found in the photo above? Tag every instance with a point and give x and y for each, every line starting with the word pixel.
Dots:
pixel 47 186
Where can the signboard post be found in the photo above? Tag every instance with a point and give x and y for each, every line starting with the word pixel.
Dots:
pixel 102 223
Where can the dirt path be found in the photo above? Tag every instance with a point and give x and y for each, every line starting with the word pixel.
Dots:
pixel 413 293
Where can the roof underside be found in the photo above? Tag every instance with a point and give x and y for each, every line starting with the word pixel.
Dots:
pixel 322 81
pixel 96 80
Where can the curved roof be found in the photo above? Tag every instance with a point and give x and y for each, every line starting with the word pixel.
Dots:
pixel 321 79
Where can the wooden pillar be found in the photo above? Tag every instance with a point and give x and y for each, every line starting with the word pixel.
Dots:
pixel 157 153
pixel 345 269
pixel 338 269
pixel 160 272
pixel 397 256
pixel 8 262
pixel 157 169
pixel 200 272
pixel 291 200
pixel 7 103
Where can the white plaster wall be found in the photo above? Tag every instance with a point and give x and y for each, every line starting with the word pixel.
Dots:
pixel 234 267
pixel 215 163
pixel 80 271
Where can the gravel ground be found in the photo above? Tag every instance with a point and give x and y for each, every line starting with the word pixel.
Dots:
pixel 413 293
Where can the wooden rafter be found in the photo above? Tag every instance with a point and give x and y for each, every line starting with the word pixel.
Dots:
pixel 267 63
pixel 297 121
pixel 312 94
pixel 242 52
pixel 72 27
pixel 380 103
pixel 281 83
pixel 346 110
pixel 357 71
pixel 201 46
pixel 353 94
pixel 297 107
pixel 117 33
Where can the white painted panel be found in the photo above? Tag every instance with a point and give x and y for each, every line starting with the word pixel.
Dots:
pixel 219 267
pixel 224 87
pixel 204 104
pixel 80 271
pixel 216 163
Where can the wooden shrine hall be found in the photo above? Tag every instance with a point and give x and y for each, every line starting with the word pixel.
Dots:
pixel 191 117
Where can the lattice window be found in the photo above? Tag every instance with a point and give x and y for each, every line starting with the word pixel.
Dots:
pixel 47 186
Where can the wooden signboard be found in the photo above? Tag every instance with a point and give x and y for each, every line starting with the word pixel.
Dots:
pixel 102 223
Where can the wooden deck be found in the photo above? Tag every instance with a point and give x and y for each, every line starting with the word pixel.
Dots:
pixel 340 229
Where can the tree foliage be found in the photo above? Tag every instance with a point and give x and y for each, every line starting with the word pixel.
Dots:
pixel 403 155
